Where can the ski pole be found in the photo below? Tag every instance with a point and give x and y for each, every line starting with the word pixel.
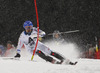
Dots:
pixel 65 32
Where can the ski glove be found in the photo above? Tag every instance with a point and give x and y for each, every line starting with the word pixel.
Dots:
pixel 17 55
pixel 42 34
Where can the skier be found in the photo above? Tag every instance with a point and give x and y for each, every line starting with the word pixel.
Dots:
pixel 57 37
pixel 27 38
pixel 10 49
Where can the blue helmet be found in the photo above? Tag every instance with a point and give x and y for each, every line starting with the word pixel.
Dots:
pixel 27 23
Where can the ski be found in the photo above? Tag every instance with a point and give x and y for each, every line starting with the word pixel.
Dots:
pixel 9 58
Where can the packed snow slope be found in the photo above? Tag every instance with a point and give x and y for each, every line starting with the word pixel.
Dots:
pixel 38 65
pixel 25 66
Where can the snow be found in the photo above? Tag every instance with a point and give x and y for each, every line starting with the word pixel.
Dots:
pixel 38 65
pixel 26 66
pixel 68 50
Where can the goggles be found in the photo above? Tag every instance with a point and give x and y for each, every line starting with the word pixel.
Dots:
pixel 28 27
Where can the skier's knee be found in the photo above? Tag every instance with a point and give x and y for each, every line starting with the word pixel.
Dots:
pixel 57 55
pixel 52 53
pixel 42 55
pixel 38 51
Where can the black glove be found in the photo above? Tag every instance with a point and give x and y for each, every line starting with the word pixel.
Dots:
pixel 17 55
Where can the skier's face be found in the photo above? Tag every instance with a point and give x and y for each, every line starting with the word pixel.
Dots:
pixel 9 45
pixel 56 36
pixel 28 28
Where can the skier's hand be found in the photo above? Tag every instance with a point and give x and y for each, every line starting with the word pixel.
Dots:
pixel 42 34
pixel 17 55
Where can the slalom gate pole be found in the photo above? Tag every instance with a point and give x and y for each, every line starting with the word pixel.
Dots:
pixel 37 29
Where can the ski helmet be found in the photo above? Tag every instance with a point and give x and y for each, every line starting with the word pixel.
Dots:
pixel 27 23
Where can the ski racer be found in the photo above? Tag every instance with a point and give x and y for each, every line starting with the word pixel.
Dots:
pixel 27 38
pixel 57 37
